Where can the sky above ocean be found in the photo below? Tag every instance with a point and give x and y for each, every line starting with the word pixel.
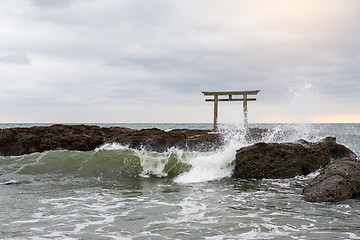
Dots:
pixel 149 61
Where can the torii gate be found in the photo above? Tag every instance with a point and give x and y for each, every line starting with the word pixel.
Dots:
pixel 216 99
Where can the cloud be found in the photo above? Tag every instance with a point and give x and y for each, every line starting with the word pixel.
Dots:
pixel 16 58
pixel 51 4
pixel 160 53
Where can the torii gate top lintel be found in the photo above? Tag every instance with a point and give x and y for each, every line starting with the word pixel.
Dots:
pixel 252 92
pixel 216 99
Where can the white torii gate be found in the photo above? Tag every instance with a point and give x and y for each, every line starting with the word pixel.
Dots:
pixel 244 99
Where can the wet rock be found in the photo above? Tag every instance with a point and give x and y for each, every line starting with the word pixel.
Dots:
pixel 18 141
pixel 286 160
pixel 336 183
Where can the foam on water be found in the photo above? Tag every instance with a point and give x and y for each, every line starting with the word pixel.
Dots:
pixel 207 167
pixel 10 182
pixel 156 164
pixel 162 209
pixel 204 166
pixel 214 165
pixel 219 164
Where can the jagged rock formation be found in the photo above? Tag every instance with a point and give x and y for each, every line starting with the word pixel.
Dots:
pixel 19 141
pixel 286 160
pixel 336 183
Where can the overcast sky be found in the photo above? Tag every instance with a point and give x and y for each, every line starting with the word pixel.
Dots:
pixel 148 61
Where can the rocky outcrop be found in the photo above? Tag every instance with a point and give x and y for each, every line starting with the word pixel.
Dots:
pixel 336 183
pixel 19 141
pixel 286 160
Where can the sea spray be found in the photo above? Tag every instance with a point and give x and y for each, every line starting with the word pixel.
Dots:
pixel 290 132
pixel 167 164
pixel 217 164
pixel 189 167
pixel 208 166
pixel 300 100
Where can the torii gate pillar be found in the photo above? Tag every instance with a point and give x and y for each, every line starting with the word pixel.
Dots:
pixel 244 99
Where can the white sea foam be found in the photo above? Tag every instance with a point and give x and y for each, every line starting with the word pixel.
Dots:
pixel 154 163
pixel 208 166
pixel 10 182
pixel 111 146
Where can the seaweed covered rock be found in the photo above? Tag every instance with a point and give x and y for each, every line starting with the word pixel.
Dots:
pixel 18 141
pixel 286 160
pixel 336 183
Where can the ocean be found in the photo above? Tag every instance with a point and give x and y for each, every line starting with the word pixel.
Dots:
pixel 119 193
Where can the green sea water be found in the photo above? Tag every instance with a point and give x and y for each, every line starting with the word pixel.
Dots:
pixel 119 193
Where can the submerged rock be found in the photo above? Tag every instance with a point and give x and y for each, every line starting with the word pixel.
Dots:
pixel 286 160
pixel 336 183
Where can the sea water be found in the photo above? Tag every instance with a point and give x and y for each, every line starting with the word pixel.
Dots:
pixel 119 193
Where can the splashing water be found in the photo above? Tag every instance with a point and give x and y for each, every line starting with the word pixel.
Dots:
pixel 186 167
pixel 217 164
pixel 300 102
pixel 300 99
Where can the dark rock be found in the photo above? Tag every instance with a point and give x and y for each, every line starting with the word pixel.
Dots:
pixel 338 151
pixel 336 183
pixel 18 141
pixel 286 160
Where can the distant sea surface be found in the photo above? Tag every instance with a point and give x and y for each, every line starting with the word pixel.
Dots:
pixel 119 193
pixel 138 126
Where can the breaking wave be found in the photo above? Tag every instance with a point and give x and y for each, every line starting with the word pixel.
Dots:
pixel 114 161
pixel 108 162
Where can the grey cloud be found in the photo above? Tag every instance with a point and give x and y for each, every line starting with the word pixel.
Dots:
pixel 139 50
pixel 15 58
pixel 52 3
